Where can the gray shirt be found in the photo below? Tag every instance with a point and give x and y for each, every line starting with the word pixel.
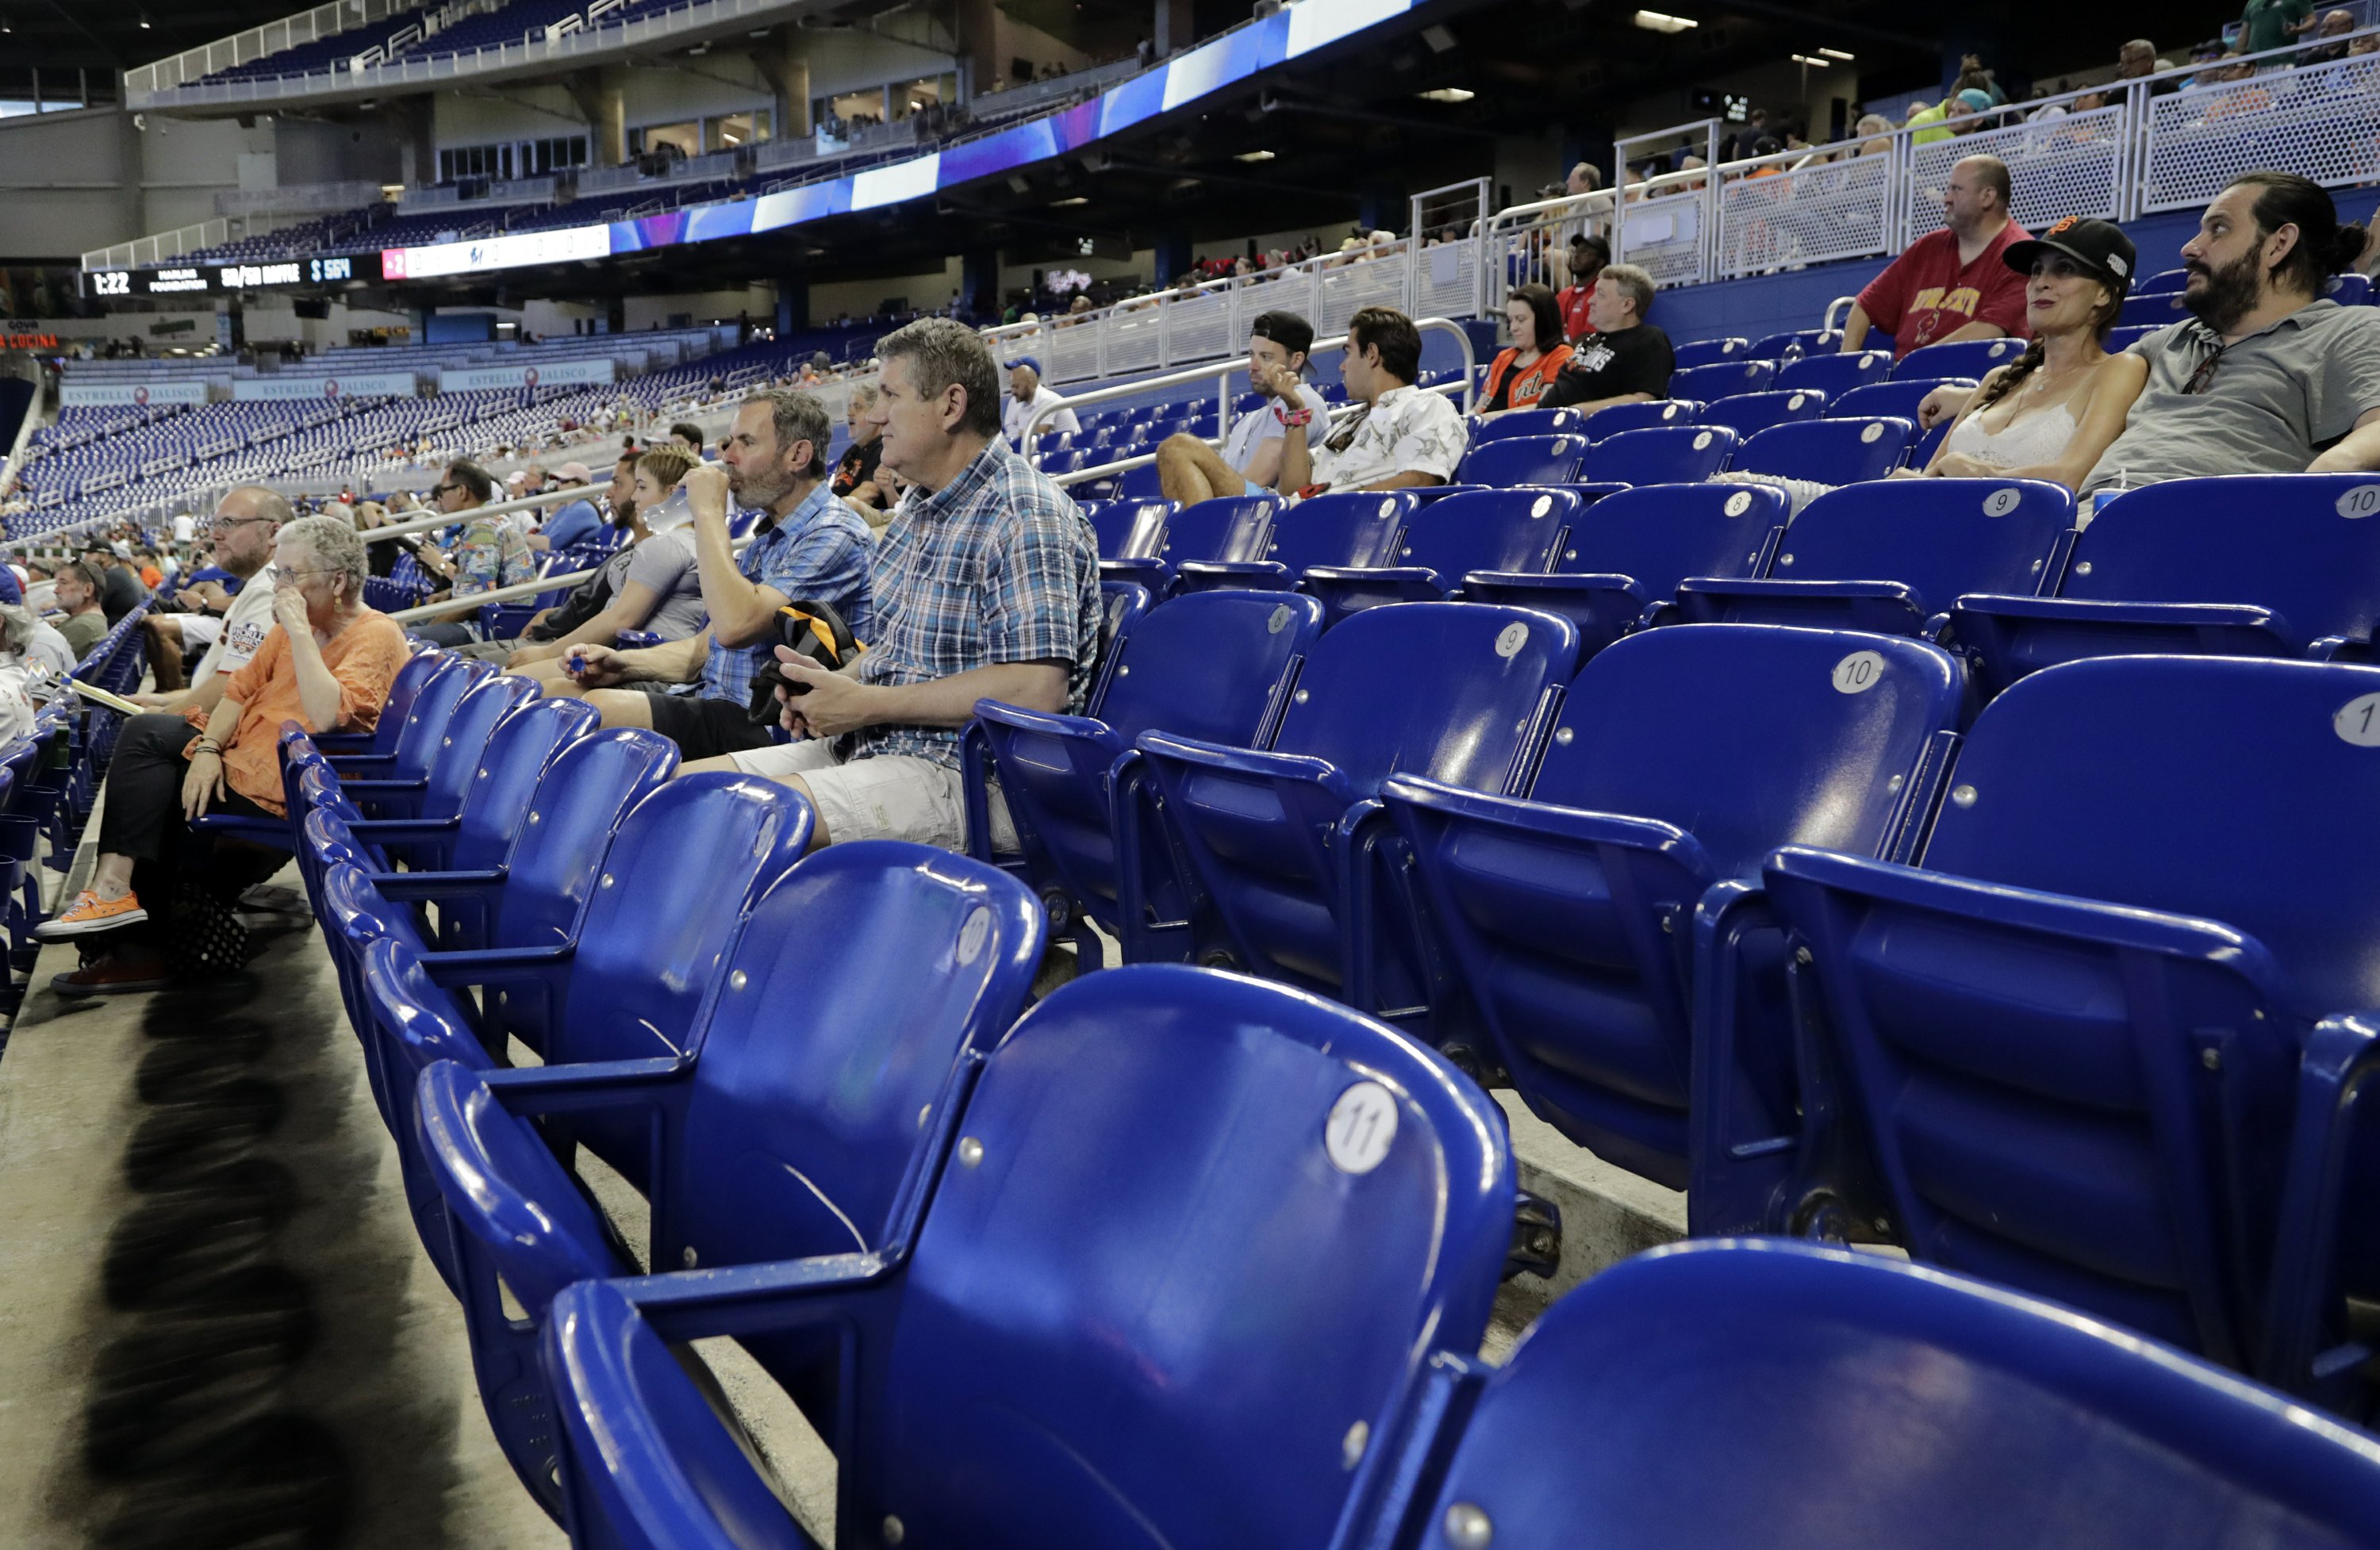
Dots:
pixel 2275 400
pixel 666 563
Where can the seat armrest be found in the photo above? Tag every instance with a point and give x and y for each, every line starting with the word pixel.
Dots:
pixel 495 965
pixel 437 887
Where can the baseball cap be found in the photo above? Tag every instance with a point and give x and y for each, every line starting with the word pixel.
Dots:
pixel 575 472
pixel 2099 245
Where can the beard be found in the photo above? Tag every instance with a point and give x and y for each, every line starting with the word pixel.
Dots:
pixel 2229 294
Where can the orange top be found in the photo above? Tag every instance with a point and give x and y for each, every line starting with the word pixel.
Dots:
pixel 364 658
pixel 1529 383
pixel 151 578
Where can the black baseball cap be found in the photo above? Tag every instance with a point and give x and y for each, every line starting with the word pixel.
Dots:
pixel 2099 245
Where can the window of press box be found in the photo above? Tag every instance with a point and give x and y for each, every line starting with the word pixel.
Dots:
pixel 513 159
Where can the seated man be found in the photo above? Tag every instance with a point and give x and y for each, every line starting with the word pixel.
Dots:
pixel 1403 439
pixel 85 623
pixel 807 545
pixel 1950 284
pixel 1190 471
pixel 490 554
pixel 230 624
pixel 577 521
pixel 119 590
pixel 2269 375
pixel 1026 397
pixel 986 587
pixel 1626 359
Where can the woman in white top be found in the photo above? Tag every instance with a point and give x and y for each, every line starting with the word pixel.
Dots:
pixel 2050 413
pixel 17 672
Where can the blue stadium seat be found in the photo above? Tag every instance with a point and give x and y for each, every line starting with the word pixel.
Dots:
pixel 1528 422
pixel 1682 759
pixel 1835 373
pixel 2349 290
pixel 1113 1157
pixel 1625 554
pixel 1747 413
pixel 1519 460
pixel 771 1143
pixel 1711 352
pixel 451 736
pixel 2122 338
pixel 1358 529
pixel 1141 483
pixel 1784 348
pixel 1897 400
pixel 2251 566
pixel 1649 416
pixel 1230 527
pixel 1687 455
pixel 2161 309
pixel 1670 1402
pixel 1480 530
pixel 1130 529
pixel 1834 452
pixel 2164 282
pixel 1215 666
pixel 1707 382
pixel 1890 556
pixel 407 755
pixel 1121 605
pixel 1285 840
pixel 1967 358
pixel 2071 1042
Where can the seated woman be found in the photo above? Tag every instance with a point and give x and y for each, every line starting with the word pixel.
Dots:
pixel 1519 377
pixel 2050 413
pixel 158 902
pixel 657 584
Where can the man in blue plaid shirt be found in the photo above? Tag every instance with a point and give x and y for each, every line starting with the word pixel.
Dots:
pixel 986 587
pixel 808 546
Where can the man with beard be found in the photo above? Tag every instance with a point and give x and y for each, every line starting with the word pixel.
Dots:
pixel 2269 376
pixel 807 545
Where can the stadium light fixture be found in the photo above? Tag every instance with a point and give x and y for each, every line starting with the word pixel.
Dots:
pixel 1839 54
pixel 1448 94
pixel 1066 203
pixel 1809 59
pixel 1253 156
pixel 1657 21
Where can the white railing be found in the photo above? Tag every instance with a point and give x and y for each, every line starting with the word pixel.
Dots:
pixel 501 191
pixel 306 27
pixel 314 197
pixel 146 252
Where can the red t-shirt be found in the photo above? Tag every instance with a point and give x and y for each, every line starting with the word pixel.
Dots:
pixel 1924 296
pixel 1573 302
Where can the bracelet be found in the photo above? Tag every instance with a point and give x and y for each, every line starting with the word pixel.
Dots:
pixel 206 747
pixel 1295 418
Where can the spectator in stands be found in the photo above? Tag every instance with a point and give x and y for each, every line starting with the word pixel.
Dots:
pixel 1027 397
pixel 2050 413
pixel 1950 284
pixel 588 598
pixel 989 581
pixel 1519 375
pixel 1403 437
pixel 2269 24
pixel 328 666
pixel 2334 24
pixel 41 586
pixel 85 625
pixel 186 528
pixel 229 618
pixel 577 521
pixel 688 435
pixel 19 665
pixel 119 590
pixel 1876 135
pixel 1588 255
pixel 652 583
pixel 808 546
pixel 1628 360
pixel 490 554
pixel 855 473
pixel 1190 471
pixel 1927 119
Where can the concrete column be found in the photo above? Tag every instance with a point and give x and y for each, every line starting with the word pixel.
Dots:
pixel 607 121
pixel 978 53
pixel 1174 28
pixel 784 61
pixel 131 169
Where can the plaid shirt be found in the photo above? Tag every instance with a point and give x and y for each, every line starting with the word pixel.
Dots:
pixel 816 552
pixel 998 566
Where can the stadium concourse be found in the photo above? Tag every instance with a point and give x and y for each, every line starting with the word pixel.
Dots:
pixel 1373 774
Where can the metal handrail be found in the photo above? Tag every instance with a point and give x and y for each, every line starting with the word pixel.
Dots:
pixel 525 589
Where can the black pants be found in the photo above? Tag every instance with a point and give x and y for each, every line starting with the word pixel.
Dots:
pixel 142 816
pixel 704 728
pixel 444 635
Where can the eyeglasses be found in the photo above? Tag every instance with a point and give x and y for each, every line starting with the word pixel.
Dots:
pixel 438 489
pixel 283 574
pixel 223 524
pixel 2204 378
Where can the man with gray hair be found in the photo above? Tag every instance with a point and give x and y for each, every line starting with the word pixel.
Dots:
pixel 1626 359
pixel 986 586
pixel 808 546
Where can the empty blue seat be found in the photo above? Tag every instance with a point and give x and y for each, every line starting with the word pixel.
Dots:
pixel 1965 357
pixel 2348 290
pixel 1229 527
pixel 1088 1344
pixel 1130 529
pixel 1497 531
pixel 1211 665
pixel 1898 400
pixel 1792 346
pixel 1647 416
pixel 1711 352
pixel 1682 759
pixel 1281 838
pixel 2161 308
pixel 1707 382
pixel 1834 452
pixel 1528 422
pixel 774 1142
pixel 1121 605
pixel 2164 282
pixel 1891 555
pixel 418 669
pixel 2251 566
pixel 1686 454
pixel 1625 554
pixel 1672 1403
pixel 453 736
pixel 1518 460
pixel 1835 373
pixel 1141 483
pixel 2124 338
pixel 2070 1045
pixel 1747 413
pixel 1358 529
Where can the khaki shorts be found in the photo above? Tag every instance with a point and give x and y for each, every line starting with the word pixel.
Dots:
pixel 893 797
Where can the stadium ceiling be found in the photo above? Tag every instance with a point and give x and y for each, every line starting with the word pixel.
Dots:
pixel 104 36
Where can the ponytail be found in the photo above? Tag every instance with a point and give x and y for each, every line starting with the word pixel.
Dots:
pixel 2324 247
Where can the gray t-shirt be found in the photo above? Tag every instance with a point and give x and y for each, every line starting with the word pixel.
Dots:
pixel 665 562
pixel 1258 426
pixel 2275 400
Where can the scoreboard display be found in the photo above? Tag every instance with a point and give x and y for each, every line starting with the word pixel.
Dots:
pixel 221 279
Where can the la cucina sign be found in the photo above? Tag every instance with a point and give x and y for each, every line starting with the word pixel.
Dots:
pixel 29 341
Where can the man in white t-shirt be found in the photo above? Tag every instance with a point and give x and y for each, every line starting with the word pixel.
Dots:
pixel 186 528
pixel 1026 395
pixel 1191 471
pixel 1403 438
pixel 247 521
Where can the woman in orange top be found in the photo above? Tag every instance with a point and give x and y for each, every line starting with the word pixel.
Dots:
pixel 327 665
pixel 1520 374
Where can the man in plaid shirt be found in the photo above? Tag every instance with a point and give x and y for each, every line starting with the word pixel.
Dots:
pixel 986 587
